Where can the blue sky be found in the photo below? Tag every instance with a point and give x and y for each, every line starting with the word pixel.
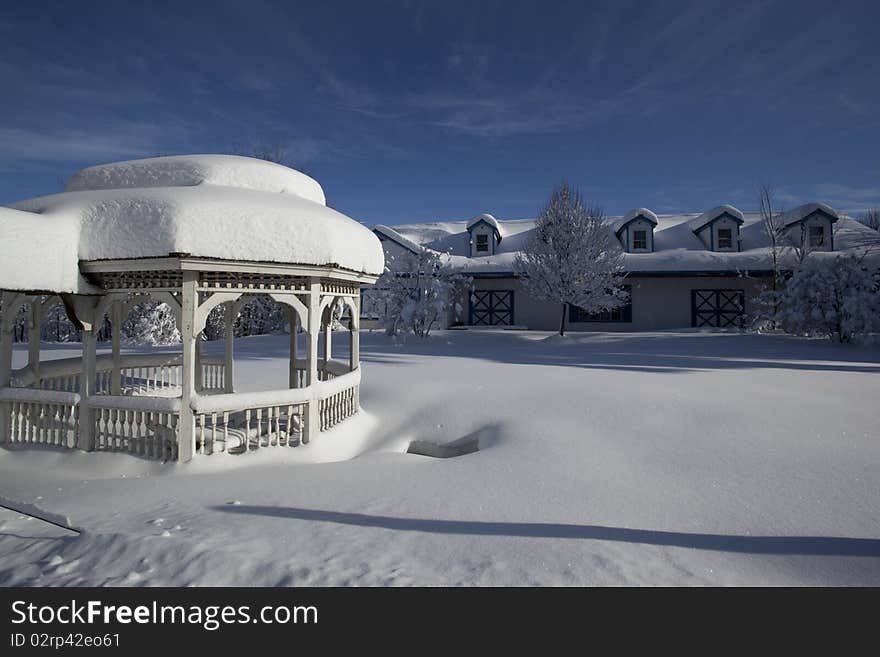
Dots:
pixel 415 111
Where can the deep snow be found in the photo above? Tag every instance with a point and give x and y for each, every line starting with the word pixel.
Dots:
pixel 657 458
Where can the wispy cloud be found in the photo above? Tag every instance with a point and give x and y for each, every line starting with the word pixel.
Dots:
pixel 538 112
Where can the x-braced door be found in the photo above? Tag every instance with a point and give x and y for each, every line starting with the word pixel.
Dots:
pixel 491 308
pixel 717 308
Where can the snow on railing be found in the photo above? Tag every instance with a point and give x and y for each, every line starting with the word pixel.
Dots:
pixel 42 417
pixel 248 421
pixel 145 426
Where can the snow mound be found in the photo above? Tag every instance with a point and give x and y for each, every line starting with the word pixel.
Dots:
pixel 192 170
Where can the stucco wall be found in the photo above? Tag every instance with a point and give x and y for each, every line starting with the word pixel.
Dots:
pixel 657 303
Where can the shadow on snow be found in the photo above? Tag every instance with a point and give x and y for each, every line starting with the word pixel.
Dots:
pixel 792 545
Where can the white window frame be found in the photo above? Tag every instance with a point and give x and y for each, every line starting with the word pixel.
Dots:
pixel 477 245
pixel 635 245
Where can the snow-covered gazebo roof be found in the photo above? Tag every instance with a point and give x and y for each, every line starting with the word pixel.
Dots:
pixel 223 207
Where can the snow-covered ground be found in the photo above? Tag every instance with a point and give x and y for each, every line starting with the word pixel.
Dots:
pixel 661 458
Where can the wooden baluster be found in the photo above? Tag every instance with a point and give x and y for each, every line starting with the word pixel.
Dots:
pixel 37 422
pixel 65 424
pixel 163 448
pixel 32 422
pixel 213 432
pixel 225 430
pixel 146 446
pixel 51 424
pixel 114 428
pixel 247 432
pixel 152 419
pixel 202 426
pixel 172 421
pixel 18 422
pixel 137 436
pixel 161 437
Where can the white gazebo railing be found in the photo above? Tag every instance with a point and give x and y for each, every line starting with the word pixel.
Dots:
pixel 146 373
pixel 170 406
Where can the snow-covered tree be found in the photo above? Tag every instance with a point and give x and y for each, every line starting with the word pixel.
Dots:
pixel 417 291
pixel 260 315
pixel 573 257
pixel 150 323
pixel 57 327
pixel 835 297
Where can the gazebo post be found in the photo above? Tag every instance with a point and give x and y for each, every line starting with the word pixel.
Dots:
pixel 229 349
pixel 199 372
pixel 5 362
pixel 354 336
pixel 313 412
pixel 291 319
pixel 328 335
pixel 186 430
pixel 34 325
pixel 87 387
pixel 115 341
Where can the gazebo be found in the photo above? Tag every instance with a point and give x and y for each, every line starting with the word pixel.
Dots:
pixel 196 233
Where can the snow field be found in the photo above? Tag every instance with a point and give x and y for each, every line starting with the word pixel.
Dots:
pixel 662 458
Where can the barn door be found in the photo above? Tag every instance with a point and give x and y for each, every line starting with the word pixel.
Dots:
pixel 717 308
pixel 491 308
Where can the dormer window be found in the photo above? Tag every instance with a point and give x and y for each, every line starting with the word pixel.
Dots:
pixel 485 235
pixel 640 240
pixel 635 230
pixel 811 226
pixel 719 228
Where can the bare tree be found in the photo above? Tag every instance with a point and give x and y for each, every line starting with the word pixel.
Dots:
pixel 771 219
pixel 871 218
pixel 573 258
